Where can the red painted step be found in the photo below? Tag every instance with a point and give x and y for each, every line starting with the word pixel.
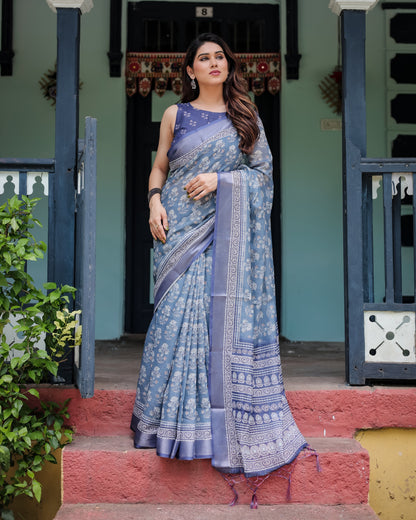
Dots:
pixel 318 413
pixel 109 469
pixel 209 512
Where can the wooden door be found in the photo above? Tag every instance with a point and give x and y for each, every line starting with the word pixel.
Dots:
pixel 170 27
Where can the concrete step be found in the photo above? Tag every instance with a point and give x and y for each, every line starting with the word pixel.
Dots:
pixel 318 413
pixel 209 512
pixel 109 469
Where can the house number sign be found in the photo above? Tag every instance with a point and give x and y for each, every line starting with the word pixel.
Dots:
pixel 204 12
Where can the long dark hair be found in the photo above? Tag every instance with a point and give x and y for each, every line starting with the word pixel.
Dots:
pixel 240 109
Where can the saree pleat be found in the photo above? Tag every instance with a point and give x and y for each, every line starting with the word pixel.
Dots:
pixel 172 411
pixel 210 384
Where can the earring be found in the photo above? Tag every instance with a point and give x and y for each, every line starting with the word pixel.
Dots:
pixel 193 84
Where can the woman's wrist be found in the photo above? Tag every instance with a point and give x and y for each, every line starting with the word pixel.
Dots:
pixel 152 193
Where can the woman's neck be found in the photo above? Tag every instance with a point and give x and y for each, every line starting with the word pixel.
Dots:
pixel 210 101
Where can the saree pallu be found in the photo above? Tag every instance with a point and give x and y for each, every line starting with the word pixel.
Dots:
pixel 210 384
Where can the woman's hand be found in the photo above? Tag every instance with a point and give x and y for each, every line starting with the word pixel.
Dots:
pixel 202 185
pixel 158 220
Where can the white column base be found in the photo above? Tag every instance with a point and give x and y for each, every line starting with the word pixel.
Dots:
pixel 84 5
pixel 337 6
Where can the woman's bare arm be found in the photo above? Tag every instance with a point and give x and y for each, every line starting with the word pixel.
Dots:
pixel 158 220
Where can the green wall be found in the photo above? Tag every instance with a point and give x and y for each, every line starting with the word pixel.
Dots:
pixel 312 291
pixel 27 130
pixel 312 287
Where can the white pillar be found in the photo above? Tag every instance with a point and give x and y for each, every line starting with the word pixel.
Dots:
pixel 337 6
pixel 84 5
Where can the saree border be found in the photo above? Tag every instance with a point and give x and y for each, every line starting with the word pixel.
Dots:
pixel 225 279
pixel 181 257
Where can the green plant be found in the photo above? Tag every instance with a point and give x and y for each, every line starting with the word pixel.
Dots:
pixel 43 329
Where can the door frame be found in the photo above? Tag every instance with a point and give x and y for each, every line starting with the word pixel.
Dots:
pixel 141 131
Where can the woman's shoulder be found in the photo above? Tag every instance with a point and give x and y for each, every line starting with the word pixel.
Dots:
pixel 170 112
pixel 169 118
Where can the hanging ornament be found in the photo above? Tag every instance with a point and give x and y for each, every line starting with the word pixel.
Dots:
pixel 48 85
pixel 161 84
pixel 177 86
pixel 131 86
pixel 259 69
pixel 331 90
pixel 273 85
pixel 331 85
pixel 257 86
pixel 145 86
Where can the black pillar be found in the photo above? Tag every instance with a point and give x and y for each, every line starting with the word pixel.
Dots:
pixel 61 249
pixel 354 147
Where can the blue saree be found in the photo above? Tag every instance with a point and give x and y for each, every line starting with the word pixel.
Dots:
pixel 210 383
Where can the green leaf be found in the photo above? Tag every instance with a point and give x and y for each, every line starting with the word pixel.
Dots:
pixel 18 406
pixel 37 489
pixel 7 413
pixel 55 295
pixel 14 224
pixel 24 358
pixel 50 458
pixel 34 392
pixel 30 256
pixel 33 376
pixel 14 362
pixel 37 460
pixel 52 366
pixel 7 257
pixel 4 458
pixel 68 288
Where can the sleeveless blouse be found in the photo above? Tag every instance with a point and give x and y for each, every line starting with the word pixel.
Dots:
pixel 189 118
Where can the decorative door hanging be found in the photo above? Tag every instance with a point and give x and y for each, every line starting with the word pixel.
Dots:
pixel 153 71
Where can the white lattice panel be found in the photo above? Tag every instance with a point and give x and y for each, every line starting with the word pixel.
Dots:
pixel 389 337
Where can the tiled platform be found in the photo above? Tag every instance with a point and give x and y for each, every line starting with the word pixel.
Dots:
pixel 315 365
pixel 209 512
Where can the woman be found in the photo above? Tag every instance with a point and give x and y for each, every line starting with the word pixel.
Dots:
pixel 210 384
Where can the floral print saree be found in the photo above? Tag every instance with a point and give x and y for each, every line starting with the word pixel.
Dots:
pixel 210 384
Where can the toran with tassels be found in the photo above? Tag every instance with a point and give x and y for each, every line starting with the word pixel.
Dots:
pixel 146 71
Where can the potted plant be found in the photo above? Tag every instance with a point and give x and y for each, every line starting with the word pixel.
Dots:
pixel 42 331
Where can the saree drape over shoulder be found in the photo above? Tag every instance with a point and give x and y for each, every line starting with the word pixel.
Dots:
pixel 210 384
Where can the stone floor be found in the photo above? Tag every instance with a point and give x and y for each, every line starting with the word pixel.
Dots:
pixel 305 365
pixel 210 512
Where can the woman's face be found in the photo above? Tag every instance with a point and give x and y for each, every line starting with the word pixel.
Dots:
pixel 210 65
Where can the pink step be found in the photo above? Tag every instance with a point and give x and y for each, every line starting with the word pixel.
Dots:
pixel 209 512
pixel 318 413
pixel 110 469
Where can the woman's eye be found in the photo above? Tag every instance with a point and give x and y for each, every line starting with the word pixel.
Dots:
pixel 220 57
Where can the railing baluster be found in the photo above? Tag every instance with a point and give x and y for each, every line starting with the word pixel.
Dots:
pixel 368 253
pixel 22 189
pixel 388 238
pixel 414 236
pixel 397 244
